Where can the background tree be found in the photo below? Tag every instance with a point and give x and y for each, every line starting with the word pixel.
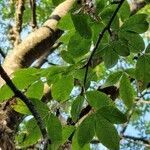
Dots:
pixel 71 70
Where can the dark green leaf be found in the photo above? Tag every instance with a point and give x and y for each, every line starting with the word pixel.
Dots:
pixel 106 133
pixel 86 131
pixel 135 41
pixel 121 47
pixel 81 25
pixel 110 57
pixel 126 91
pixel 112 114
pixel 97 99
pixel 76 146
pixel 76 107
pixel 148 49
pixel 136 23
pixel 143 68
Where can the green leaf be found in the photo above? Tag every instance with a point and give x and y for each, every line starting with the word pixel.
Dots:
pixel 148 49
pixel 112 114
pixel 26 136
pixel 143 68
pixel 126 91
pixel 136 23
pixel 5 93
pixel 106 133
pixel 66 26
pixel 21 107
pixel 76 146
pixel 100 5
pixel 112 79
pixel 35 90
pixel 121 47
pixel 78 46
pixel 57 2
pixel 85 132
pixel 54 130
pixel 25 77
pixel 124 12
pixel 76 107
pixel 135 41
pixel 110 57
pixel 66 133
pixel 97 99
pixel 67 57
pixel 62 88
pixel 81 25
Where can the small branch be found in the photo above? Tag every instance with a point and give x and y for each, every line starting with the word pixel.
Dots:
pixel 2 53
pixel 28 102
pixel 145 141
pixel 101 34
pixel 33 8
pixel 19 18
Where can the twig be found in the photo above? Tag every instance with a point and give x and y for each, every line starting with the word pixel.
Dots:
pixel 101 34
pixel 2 53
pixel 19 18
pixel 33 8
pixel 144 140
pixel 28 102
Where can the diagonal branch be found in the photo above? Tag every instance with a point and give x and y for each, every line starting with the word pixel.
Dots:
pixel 101 34
pixel 28 102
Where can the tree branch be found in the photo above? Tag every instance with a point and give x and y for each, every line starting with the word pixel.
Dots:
pixel 28 102
pixel 33 8
pixel 101 34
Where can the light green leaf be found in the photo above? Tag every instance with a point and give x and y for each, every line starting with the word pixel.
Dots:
pixel 106 133
pixel 112 114
pixel 97 99
pixel 81 25
pixel 85 132
pixel 126 91
pixel 136 23
pixel 67 57
pixel 76 107
pixel 26 136
pixel 5 93
pixel 62 88
pixel 112 79
pixel 21 107
pixel 35 90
